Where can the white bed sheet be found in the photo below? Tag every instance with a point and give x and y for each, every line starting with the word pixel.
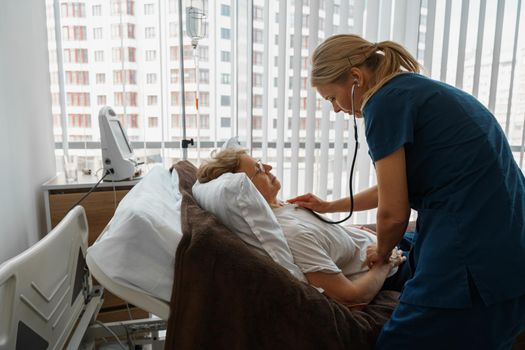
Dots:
pixel 138 248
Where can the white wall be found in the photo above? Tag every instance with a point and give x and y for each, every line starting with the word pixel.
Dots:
pixel 26 138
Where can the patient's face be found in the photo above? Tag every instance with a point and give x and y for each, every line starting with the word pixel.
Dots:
pixel 267 184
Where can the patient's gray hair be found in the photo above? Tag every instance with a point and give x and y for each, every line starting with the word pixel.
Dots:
pixel 225 161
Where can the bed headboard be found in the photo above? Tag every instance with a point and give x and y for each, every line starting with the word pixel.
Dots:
pixel 43 289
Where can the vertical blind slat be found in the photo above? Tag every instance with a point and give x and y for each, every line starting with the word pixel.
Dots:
pixel 462 43
pixel 496 56
pixel 446 36
pixel 313 36
pixel 429 36
pixel 385 22
pixel 281 86
pixel 265 78
pixel 479 47
pixel 326 108
pixel 513 67
pixel 413 9
pixel 399 21
pixel 296 92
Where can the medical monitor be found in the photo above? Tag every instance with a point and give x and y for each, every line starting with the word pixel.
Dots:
pixel 117 155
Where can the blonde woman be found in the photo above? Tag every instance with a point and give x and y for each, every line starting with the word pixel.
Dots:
pixel 437 150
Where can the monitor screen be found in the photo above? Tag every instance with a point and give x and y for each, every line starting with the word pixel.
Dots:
pixel 125 148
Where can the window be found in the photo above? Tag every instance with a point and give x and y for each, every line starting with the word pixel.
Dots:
pixel 204 99
pixel 99 56
pixel 203 53
pixel 152 100
pixel 149 9
pixel 101 100
pixel 225 56
pixel 225 78
pixel 225 100
pixel 174 76
pixel 79 120
pixel 78 99
pixel 76 55
pixel 131 99
pixel 97 33
pixel 204 76
pixel 151 78
pixel 77 77
pixel 132 120
pixel 258 13
pixel 130 76
pixel 97 10
pixel 257 58
pixel 150 32
pixel 225 33
pixel 153 122
pixel 151 55
pixel 73 9
pixel 257 80
pixel 225 122
pixel 100 78
pixel 116 32
pixel 225 10
pixel 257 36
pixel 174 98
pixel 257 101
pixel 131 31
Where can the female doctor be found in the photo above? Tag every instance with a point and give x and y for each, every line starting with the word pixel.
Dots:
pixel 437 150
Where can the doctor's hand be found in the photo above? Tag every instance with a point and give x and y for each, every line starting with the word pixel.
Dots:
pixel 374 257
pixel 312 202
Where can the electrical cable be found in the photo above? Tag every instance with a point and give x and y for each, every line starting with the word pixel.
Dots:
pixel 350 180
pixel 112 333
pixel 110 171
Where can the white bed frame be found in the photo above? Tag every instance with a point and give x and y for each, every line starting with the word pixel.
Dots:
pixel 47 299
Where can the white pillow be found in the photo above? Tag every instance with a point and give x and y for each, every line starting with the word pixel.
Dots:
pixel 240 207
pixel 138 248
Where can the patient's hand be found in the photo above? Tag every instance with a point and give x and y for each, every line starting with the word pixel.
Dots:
pixel 396 257
pixel 310 201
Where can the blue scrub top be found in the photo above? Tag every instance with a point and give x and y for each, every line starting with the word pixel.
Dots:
pixel 465 185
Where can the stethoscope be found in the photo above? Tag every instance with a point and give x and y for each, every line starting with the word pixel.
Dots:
pixel 351 168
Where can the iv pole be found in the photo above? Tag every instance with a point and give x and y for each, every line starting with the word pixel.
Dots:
pixel 184 142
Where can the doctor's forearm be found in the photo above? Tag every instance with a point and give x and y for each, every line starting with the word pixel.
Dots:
pixel 364 200
pixel 390 230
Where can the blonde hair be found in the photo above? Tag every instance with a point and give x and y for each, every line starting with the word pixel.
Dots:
pixel 225 161
pixel 333 58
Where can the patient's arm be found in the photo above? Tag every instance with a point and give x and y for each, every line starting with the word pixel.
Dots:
pixel 359 291
pixel 364 200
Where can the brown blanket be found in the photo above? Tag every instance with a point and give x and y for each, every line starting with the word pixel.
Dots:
pixel 225 296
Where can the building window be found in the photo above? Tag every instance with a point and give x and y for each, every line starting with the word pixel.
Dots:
pixel 225 78
pixel 153 122
pixel 149 9
pixel 131 99
pixel 174 76
pixel 257 36
pixel 132 120
pixel 257 79
pixel 225 100
pixel 203 53
pixel 257 101
pixel 204 99
pixel 258 13
pixel 116 32
pixel 225 122
pixel 204 76
pixel 174 98
pixel 131 31
pixel 152 100
pixel 99 56
pixel 150 32
pixel 97 33
pixel 77 77
pixel 130 76
pixel 79 120
pixel 257 58
pixel 225 33
pixel 101 100
pixel 225 56
pixel 75 55
pixel 78 99
pixel 151 55
pixel 97 10
pixel 225 10
pixel 151 78
pixel 100 78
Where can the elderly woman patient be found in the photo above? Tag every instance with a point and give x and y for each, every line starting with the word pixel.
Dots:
pixel 330 256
